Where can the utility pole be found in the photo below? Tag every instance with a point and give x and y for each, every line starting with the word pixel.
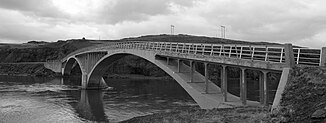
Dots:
pixel 222 31
pixel 172 29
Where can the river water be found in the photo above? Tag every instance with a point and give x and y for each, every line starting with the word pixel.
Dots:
pixel 31 100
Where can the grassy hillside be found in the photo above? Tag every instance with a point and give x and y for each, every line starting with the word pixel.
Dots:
pixel 192 39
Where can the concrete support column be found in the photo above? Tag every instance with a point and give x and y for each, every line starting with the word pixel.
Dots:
pixel 243 86
pixel 323 57
pixel 261 88
pixel 84 81
pixel 289 57
pixel 206 77
pixel 167 60
pixel 224 85
pixel 179 65
pixel 192 64
pixel 62 71
pixel 265 84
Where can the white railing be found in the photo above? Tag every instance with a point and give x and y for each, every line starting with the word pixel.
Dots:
pixel 268 53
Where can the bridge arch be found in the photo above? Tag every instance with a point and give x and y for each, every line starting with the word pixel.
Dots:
pixel 204 101
pixel 100 68
pixel 71 62
pixel 104 63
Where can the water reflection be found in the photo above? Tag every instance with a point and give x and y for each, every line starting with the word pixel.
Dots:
pixel 48 100
pixel 90 105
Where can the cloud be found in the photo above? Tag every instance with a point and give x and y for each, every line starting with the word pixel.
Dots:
pixel 263 20
pixel 43 8
pixel 301 22
pixel 137 10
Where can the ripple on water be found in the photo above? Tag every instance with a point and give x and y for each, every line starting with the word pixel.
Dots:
pixel 19 109
pixel 35 88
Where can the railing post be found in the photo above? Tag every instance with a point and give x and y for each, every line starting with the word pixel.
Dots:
pixel 190 46
pixel 212 49
pixel 221 49
pixel 241 52
pixel 203 50
pixel 322 57
pixel 230 51
pixel 183 47
pixel 289 57
pixel 281 58
pixel 253 53
pixel 266 53
pixel 298 56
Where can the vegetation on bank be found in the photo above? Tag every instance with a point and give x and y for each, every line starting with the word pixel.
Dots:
pixel 26 70
pixel 304 98
pixel 230 115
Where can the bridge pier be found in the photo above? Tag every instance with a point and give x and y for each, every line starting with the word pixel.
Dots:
pixel 84 81
pixel 206 77
pixel 179 60
pixel 243 86
pixel 224 85
pixel 192 65
pixel 263 88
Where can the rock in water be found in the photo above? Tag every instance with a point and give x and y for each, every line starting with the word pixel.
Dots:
pixel 319 114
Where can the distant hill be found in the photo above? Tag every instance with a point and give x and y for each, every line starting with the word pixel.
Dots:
pixel 192 39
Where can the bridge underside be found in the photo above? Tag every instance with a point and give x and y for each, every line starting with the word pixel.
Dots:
pixel 207 94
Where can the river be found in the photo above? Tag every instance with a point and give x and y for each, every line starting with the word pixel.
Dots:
pixel 32 99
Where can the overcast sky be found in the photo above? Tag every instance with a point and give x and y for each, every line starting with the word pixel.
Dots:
pixel 301 22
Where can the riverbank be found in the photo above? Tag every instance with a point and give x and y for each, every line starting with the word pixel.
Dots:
pixel 304 98
pixel 26 70
pixel 195 115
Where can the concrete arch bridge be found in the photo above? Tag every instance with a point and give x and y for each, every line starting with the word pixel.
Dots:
pixel 177 59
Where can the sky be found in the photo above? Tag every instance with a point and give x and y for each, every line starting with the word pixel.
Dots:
pixel 300 22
